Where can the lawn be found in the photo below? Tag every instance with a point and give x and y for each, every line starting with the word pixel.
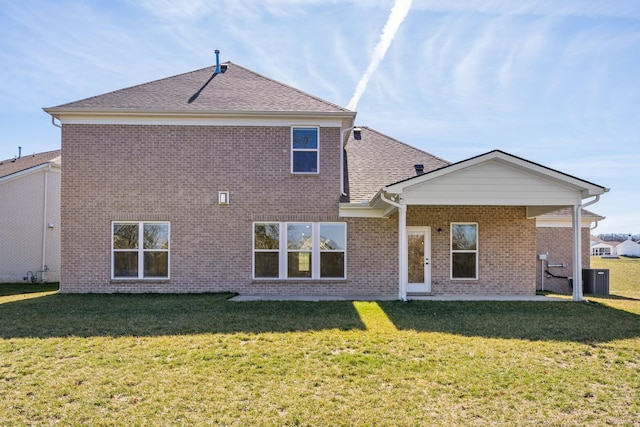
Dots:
pixel 204 360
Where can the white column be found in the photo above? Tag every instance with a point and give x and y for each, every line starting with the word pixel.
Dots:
pixel 402 253
pixel 577 253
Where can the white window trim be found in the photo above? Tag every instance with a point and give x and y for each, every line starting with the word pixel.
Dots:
pixel 140 251
pixel 451 251
pixel 316 150
pixel 283 251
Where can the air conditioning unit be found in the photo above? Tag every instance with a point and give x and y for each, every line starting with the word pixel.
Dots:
pixel 595 281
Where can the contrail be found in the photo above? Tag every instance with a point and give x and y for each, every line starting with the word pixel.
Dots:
pixel 398 12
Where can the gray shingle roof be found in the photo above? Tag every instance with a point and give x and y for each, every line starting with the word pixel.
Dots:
pixel 376 160
pixel 567 213
pixel 236 89
pixel 11 166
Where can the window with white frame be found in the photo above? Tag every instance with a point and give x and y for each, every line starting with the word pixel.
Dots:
pixel 305 149
pixel 140 250
pixel 295 250
pixel 464 250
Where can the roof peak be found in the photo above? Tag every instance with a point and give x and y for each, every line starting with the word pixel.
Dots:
pixel 237 89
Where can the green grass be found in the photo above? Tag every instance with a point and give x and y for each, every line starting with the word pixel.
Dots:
pixel 203 360
pixel 624 274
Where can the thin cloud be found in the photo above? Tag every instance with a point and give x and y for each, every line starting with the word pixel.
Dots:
pixel 398 13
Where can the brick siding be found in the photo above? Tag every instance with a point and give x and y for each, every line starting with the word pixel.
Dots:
pixel 506 248
pixel 174 173
pixel 558 243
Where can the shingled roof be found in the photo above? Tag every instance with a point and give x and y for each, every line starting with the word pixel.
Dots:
pixel 377 160
pixel 567 213
pixel 235 89
pixel 15 165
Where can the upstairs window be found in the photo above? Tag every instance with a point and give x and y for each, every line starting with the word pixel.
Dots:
pixel 464 251
pixel 305 148
pixel 140 250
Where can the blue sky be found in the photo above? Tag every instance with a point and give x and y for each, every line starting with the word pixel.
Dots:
pixel 556 82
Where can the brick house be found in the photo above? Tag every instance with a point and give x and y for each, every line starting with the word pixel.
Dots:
pixel 30 218
pixel 225 180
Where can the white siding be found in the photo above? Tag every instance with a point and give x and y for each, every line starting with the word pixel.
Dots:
pixel 629 248
pixel 491 183
pixel 22 226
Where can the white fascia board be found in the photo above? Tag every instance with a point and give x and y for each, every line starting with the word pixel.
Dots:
pixel 55 167
pixel 359 210
pixel 197 118
pixel 560 222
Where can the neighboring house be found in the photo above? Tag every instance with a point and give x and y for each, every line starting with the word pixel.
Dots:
pixel 30 218
pixel 224 180
pixel 600 247
pixel 628 248
pixel 554 242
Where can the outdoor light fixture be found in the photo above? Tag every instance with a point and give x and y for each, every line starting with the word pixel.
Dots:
pixel 223 197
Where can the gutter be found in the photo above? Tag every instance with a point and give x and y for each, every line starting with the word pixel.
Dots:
pixel 342 138
pixel 120 112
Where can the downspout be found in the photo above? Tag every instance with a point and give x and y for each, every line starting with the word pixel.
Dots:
pixel 577 248
pixel 342 136
pixel 402 247
pixel 44 222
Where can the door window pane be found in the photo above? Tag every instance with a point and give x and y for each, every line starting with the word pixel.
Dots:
pixel 416 257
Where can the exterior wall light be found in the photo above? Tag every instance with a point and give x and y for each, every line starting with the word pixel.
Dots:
pixel 223 197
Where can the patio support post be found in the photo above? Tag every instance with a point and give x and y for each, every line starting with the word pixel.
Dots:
pixel 402 253
pixel 577 253
pixel 403 271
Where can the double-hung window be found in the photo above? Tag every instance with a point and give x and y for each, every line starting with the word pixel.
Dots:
pixel 294 250
pixel 140 250
pixel 464 250
pixel 305 150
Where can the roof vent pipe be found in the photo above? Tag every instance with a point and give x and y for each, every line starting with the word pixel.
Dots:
pixel 217 61
pixel 419 169
pixel 19 152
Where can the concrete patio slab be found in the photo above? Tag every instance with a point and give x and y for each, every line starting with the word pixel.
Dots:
pixel 244 298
